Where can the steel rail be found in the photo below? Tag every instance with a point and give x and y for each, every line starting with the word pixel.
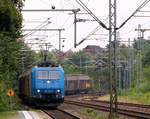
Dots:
pixel 59 113
pixel 105 107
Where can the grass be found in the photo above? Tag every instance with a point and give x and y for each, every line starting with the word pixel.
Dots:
pixel 137 98
pixel 131 97
pixel 9 115
pixel 92 114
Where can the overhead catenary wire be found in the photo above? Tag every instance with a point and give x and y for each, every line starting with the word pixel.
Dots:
pixel 96 18
pixel 38 27
pixel 91 13
pixel 137 10
pixel 92 32
pixel 65 21
pixel 95 30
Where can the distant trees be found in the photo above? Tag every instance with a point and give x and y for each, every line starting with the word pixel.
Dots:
pixel 146 53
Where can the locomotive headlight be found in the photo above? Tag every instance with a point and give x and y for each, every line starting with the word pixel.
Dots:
pixel 48 81
pixel 58 91
pixel 38 90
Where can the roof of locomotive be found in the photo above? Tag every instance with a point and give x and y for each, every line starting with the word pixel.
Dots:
pixel 42 66
pixel 47 68
pixel 47 64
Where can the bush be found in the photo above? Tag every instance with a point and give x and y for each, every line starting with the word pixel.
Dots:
pixel 146 73
pixel 144 87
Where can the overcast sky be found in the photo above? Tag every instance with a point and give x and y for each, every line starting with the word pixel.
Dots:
pixel 65 20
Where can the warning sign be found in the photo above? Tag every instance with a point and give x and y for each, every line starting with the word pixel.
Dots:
pixel 10 93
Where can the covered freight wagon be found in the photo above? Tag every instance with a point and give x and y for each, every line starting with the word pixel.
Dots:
pixel 76 84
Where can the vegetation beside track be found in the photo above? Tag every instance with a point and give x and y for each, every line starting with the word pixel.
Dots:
pixel 140 93
pixel 92 114
pixel 135 97
pixel 9 115
pixel 10 32
pixel 142 98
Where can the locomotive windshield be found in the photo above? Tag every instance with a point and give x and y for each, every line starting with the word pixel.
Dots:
pixel 48 75
pixel 42 75
pixel 54 75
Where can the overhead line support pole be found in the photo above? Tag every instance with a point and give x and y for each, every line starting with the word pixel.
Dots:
pixel 112 35
pixel 112 47
pixel 75 27
pixel 59 40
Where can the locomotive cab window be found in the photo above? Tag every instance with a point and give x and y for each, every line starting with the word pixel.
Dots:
pixel 54 75
pixel 42 75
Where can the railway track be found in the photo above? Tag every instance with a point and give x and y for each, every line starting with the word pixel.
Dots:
pixel 137 111
pixel 60 114
pixel 132 106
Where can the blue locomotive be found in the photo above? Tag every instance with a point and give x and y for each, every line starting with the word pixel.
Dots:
pixel 42 85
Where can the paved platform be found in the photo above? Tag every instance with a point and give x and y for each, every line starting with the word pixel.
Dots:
pixel 32 115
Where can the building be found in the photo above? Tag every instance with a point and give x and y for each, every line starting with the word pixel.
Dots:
pixel 93 49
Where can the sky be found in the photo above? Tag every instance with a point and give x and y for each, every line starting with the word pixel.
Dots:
pixel 65 20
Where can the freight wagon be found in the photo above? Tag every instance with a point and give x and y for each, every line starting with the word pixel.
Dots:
pixel 77 84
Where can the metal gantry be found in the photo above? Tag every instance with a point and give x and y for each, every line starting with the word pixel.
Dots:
pixel 113 47
pixel 140 43
pixel 75 11
pixel 112 60
pixel 59 30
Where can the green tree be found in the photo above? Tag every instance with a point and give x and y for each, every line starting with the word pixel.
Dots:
pixel 146 53
pixel 11 19
pixel 26 58
pixel 10 25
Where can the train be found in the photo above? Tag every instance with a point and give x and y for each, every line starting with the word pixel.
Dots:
pixel 42 85
pixel 77 84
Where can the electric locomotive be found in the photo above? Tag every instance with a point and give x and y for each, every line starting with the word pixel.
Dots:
pixel 42 85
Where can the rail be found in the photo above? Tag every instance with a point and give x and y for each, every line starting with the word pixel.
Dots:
pixel 60 114
pixel 138 111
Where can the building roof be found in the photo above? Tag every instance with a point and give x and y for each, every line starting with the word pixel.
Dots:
pixel 93 49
